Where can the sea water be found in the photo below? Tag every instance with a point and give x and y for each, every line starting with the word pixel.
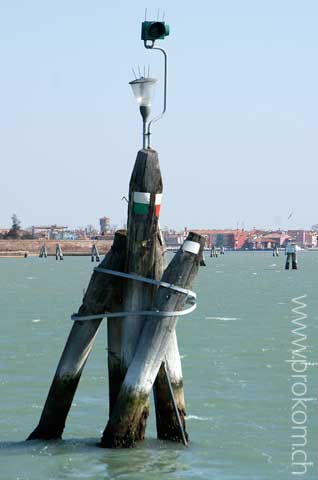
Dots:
pixel 238 380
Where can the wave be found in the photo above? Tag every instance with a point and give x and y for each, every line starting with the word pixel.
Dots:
pixel 223 319
pixel 201 419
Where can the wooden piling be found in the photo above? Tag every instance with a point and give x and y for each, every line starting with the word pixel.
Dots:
pixel 166 421
pixel 104 293
pixel 58 252
pixel 291 255
pixel 145 257
pixel 122 429
pixel 94 254
pixel 202 261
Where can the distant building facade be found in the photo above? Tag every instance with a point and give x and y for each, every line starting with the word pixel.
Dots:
pixel 172 238
pixel 50 232
pixel 104 223
pixel 231 239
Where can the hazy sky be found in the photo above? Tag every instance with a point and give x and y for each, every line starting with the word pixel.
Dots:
pixel 238 142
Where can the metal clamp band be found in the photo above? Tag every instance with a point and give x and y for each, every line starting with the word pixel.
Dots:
pixel 191 298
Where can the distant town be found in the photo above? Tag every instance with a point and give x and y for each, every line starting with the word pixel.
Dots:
pixel 230 239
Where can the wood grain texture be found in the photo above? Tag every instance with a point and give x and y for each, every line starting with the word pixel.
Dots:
pixel 104 293
pixel 122 428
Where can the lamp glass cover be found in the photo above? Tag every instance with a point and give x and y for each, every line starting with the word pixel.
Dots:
pixel 143 89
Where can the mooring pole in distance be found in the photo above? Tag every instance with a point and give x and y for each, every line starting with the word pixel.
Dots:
pixel 145 254
pixel 122 428
pixel 104 293
pixel 94 253
pixel 291 255
pixel 58 252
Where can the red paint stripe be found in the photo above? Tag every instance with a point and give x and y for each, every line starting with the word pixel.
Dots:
pixel 157 210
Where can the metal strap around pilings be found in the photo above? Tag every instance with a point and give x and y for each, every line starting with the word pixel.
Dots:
pixel 191 298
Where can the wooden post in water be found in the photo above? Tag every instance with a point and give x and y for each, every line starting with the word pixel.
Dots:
pixel 43 252
pixel 104 293
pixel 94 254
pixel 145 257
pixel 123 426
pixel 291 256
pixel 166 421
pixel 202 261
pixel 58 252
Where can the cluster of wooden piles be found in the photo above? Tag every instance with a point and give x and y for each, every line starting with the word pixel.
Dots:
pixel 143 351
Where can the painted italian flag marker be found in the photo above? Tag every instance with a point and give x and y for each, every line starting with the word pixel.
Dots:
pixel 141 202
pixel 158 203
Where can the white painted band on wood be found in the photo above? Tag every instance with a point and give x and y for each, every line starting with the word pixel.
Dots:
pixel 158 199
pixel 192 247
pixel 142 197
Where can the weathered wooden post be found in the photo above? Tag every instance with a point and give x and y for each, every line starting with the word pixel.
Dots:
pixel 58 252
pixel 43 252
pixel 166 421
pixel 104 293
pixel 123 426
pixel 94 254
pixel 202 261
pixel 291 255
pixel 145 257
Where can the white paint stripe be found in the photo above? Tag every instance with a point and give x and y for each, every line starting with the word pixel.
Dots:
pixel 142 197
pixel 192 247
pixel 158 199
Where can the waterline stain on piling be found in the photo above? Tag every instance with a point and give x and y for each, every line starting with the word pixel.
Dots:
pixel 129 418
pixel 62 390
pixel 169 430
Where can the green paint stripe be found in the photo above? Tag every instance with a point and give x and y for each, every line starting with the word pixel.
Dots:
pixel 141 208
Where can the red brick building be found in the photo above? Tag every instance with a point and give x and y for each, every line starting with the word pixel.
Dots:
pixel 231 239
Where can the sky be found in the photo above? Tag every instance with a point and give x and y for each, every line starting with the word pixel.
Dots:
pixel 237 145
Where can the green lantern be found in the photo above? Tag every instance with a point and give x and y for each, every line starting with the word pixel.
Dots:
pixel 154 31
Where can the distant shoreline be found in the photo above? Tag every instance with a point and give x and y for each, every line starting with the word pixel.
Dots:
pixel 18 248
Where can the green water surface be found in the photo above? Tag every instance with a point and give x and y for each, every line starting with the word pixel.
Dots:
pixel 234 349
